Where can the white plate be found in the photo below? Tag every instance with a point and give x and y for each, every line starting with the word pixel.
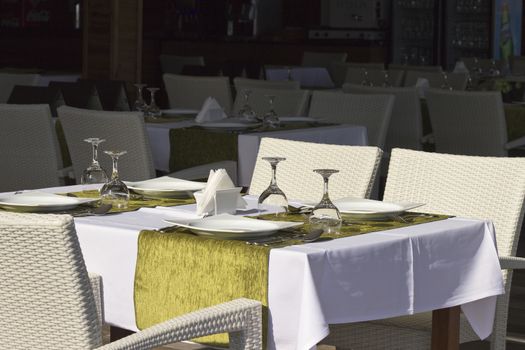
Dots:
pixel 178 111
pixel 228 125
pixel 35 201
pixel 226 226
pixel 358 208
pixel 299 120
pixel 166 187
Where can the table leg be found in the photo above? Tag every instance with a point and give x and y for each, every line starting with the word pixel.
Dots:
pixel 445 329
pixel 116 333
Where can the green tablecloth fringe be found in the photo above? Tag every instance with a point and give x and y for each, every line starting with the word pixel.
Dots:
pixel 179 272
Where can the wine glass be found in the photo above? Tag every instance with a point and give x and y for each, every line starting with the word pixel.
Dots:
pixel 444 83
pixel 140 105
pixel 115 191
pixel 246 112
pixel 366 81
pixel 94 174
pixel 273 195
pixel 386 80
pixel 271 119
pixel 153 110
pixel 325 215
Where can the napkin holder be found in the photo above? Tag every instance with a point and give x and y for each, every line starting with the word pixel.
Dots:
pixel 224 201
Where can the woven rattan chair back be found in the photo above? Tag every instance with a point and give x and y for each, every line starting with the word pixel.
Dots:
pixel 407 67
pixel 357 167
pixel 405 129
pixel 174 64
pixel 29 151
pixel 322 59
pixel 244 83
pixel 46 300
pixel 24 94
pixel 372 111
pixel 466 122
pixel 190 92
pixel 338 70
pixel 457 81
pixel 9 80
pixel 121 130
pixel 286 102
pixel 376 77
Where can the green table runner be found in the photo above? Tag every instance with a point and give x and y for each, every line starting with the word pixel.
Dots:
pixel 179 272
pixel 135 203
pixel 195 146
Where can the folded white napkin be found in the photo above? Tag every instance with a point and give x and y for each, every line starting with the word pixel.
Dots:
pixel 210 111
pixel 422 85
pixel 218 180
pixel 460 67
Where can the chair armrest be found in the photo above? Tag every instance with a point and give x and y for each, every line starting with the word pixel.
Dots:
pixel 96 285
pixel 428 138
pixel 519 142
pixel 241 318
pixel 512 263
pixel 203 171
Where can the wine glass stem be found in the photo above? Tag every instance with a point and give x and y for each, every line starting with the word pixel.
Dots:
pixel 95 154
pixel 274 179
pixel 114 174
pixel 140 94
pixel 325 193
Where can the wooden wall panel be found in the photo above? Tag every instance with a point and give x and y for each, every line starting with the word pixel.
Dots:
pixel 97 39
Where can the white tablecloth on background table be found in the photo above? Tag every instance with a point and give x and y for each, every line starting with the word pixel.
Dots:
pixel 248 144
pixel 371 276
pixel 44 79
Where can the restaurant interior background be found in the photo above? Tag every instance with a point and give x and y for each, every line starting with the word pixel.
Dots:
pixel 122 39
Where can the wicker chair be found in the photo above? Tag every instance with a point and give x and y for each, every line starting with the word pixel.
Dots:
pixel 457 81
pixel 376 77
pixel 475 187
pixel 338 70
pixel 374 112
pixel 357 165
pixel 518 65
pixel 190 92
pixel 48 302
pixel 37 95
pixel 174 64
pixel 405 129
pixel 407 67
pixel 9 80
pixel 29 151
pixel 471 123
pixel 244 83
pixel 121 130
pixel 322 59
pixel 286 103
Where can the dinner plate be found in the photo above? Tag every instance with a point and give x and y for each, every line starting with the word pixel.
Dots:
pixel 368 209
pixel 35 201
pixel 226 226
pixel 166 187
pixel 229 125
pixel 178 111
pixel 298 120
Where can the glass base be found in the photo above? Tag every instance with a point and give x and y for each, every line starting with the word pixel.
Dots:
pixel 328 223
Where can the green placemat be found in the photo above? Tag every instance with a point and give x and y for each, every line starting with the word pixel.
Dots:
pixel 135 203
pixel 179 272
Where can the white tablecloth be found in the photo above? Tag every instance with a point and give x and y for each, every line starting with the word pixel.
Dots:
pixel 248 144
pixel 44 79
pixel 373 276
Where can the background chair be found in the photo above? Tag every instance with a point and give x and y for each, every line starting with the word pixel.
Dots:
pixel 248 84
pixel 9 80
pixel 286 102
pixel 407 67
pixel 357 167
pixel 49 302
pixel 121 130
pixel 112 93
pixel 338 70
pixel 29 151
pixel 405 129
pixel 322 59
pixel 373 111
pixel 191 92
pixel 468 122
pixel 376 77
pixel 449 184
pixel 23 94
pixel 78 95
pixel 174 64
pixel 457 81
pixel 518 65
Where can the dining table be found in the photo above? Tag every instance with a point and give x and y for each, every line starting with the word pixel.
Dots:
pixel 395 269
pixel 180 143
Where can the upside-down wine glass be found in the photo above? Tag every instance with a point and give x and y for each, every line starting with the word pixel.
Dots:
pixel 273 195
pixel 94 174
pixel 366 81
pixel 246 112
pixel 115 192
pixel 140 105
pixel 386 80
pixel 153 110
pixel 444 83
pixel 271 119
pixel 325 215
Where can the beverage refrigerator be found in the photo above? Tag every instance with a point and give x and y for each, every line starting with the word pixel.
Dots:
pixel 440 32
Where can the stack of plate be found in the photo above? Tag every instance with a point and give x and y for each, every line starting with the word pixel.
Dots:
pixel 36 202
pixel 166 187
